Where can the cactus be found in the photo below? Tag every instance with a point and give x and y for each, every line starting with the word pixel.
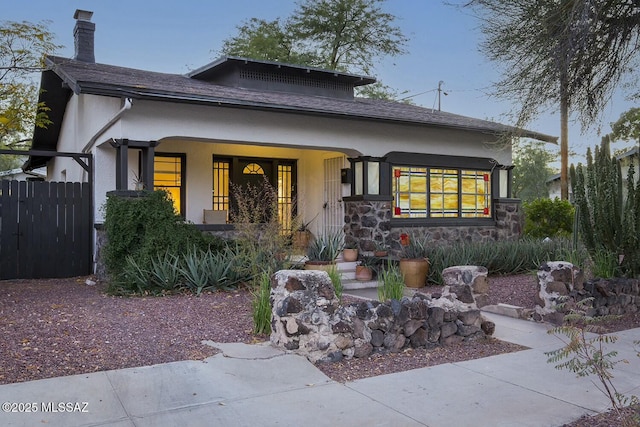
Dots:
pixel 607 221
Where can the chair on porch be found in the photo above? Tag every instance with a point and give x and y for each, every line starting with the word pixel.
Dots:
pixel 214 217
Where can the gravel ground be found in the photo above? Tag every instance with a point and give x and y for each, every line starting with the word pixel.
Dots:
pixel 59 327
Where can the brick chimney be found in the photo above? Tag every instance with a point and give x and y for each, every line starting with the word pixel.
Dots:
pixel 83 35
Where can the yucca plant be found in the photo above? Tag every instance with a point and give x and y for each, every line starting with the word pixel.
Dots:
pixel 418 247
pixel 132 278
pixel 205 270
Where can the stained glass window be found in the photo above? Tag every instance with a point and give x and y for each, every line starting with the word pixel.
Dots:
pixel 253 169
pixel 422 192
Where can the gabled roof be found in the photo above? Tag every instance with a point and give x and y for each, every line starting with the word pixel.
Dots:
pixel 222 65
pixel 108 80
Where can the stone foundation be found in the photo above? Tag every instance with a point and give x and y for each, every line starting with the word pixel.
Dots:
pixel 308 319
pixel 368 223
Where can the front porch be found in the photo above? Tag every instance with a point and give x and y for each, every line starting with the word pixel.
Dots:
pixel 331 191
pixel 201 176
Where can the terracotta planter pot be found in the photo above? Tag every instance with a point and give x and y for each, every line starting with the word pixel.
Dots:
pixel 415 272
pixel 319 265
pixel 301 240
pixel 364 273
pixel 349 255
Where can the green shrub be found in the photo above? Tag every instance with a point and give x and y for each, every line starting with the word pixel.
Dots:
pixel 604 264
pixel 144 227
pixel 585 354
pixel 548 218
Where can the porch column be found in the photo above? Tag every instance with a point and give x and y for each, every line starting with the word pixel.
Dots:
pixel 367 222
pixel 147 149
pixel 122 161
pixel 509 218
pixel 146 175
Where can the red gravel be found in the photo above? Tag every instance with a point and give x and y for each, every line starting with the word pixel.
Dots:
pixel 59 327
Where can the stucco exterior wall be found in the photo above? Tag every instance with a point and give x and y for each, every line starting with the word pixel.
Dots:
pixel 201 131
pixel 157 120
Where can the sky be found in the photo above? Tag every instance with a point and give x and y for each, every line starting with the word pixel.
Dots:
pixel 179 36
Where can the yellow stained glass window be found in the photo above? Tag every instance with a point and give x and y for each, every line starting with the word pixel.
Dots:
pixel 253 169
pixel 440 193
pixel 409 189
pixel 443 190
pixel 476 201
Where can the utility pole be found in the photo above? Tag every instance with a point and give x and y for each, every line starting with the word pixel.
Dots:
pixel 440 92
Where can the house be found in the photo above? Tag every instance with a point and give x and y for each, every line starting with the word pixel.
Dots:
pixel 626 159
pixel 373 168
pixel 553 184
pixel 19 174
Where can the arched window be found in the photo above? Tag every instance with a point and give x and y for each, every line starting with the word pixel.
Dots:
pixel 253 169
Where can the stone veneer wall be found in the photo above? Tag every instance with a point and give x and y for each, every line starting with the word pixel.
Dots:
pixel 101 241
pixel 369 222
pixel 308 319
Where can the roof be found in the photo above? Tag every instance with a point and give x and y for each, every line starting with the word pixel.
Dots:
pixel 629 153
pixel 40 173
pixel 108 80
pixel 223 64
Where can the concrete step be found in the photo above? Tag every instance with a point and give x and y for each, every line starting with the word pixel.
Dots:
pixel 350 284
pixel 347 270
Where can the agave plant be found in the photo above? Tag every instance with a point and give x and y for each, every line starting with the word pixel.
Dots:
pixel 417 248
pixel 325 247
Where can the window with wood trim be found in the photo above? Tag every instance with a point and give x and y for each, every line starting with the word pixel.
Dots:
pixel 168 174
pixel 221 177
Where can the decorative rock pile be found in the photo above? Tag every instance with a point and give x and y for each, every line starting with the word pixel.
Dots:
pixel 562 286
pixel 307 318
pixel 469 283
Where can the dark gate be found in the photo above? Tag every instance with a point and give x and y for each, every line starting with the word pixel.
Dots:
pixel 45 229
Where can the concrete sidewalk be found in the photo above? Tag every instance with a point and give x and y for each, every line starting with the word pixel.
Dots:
pixel 251 385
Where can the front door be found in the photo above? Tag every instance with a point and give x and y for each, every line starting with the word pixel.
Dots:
pixel 250 173
pixel 251 177
pixel 253 172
